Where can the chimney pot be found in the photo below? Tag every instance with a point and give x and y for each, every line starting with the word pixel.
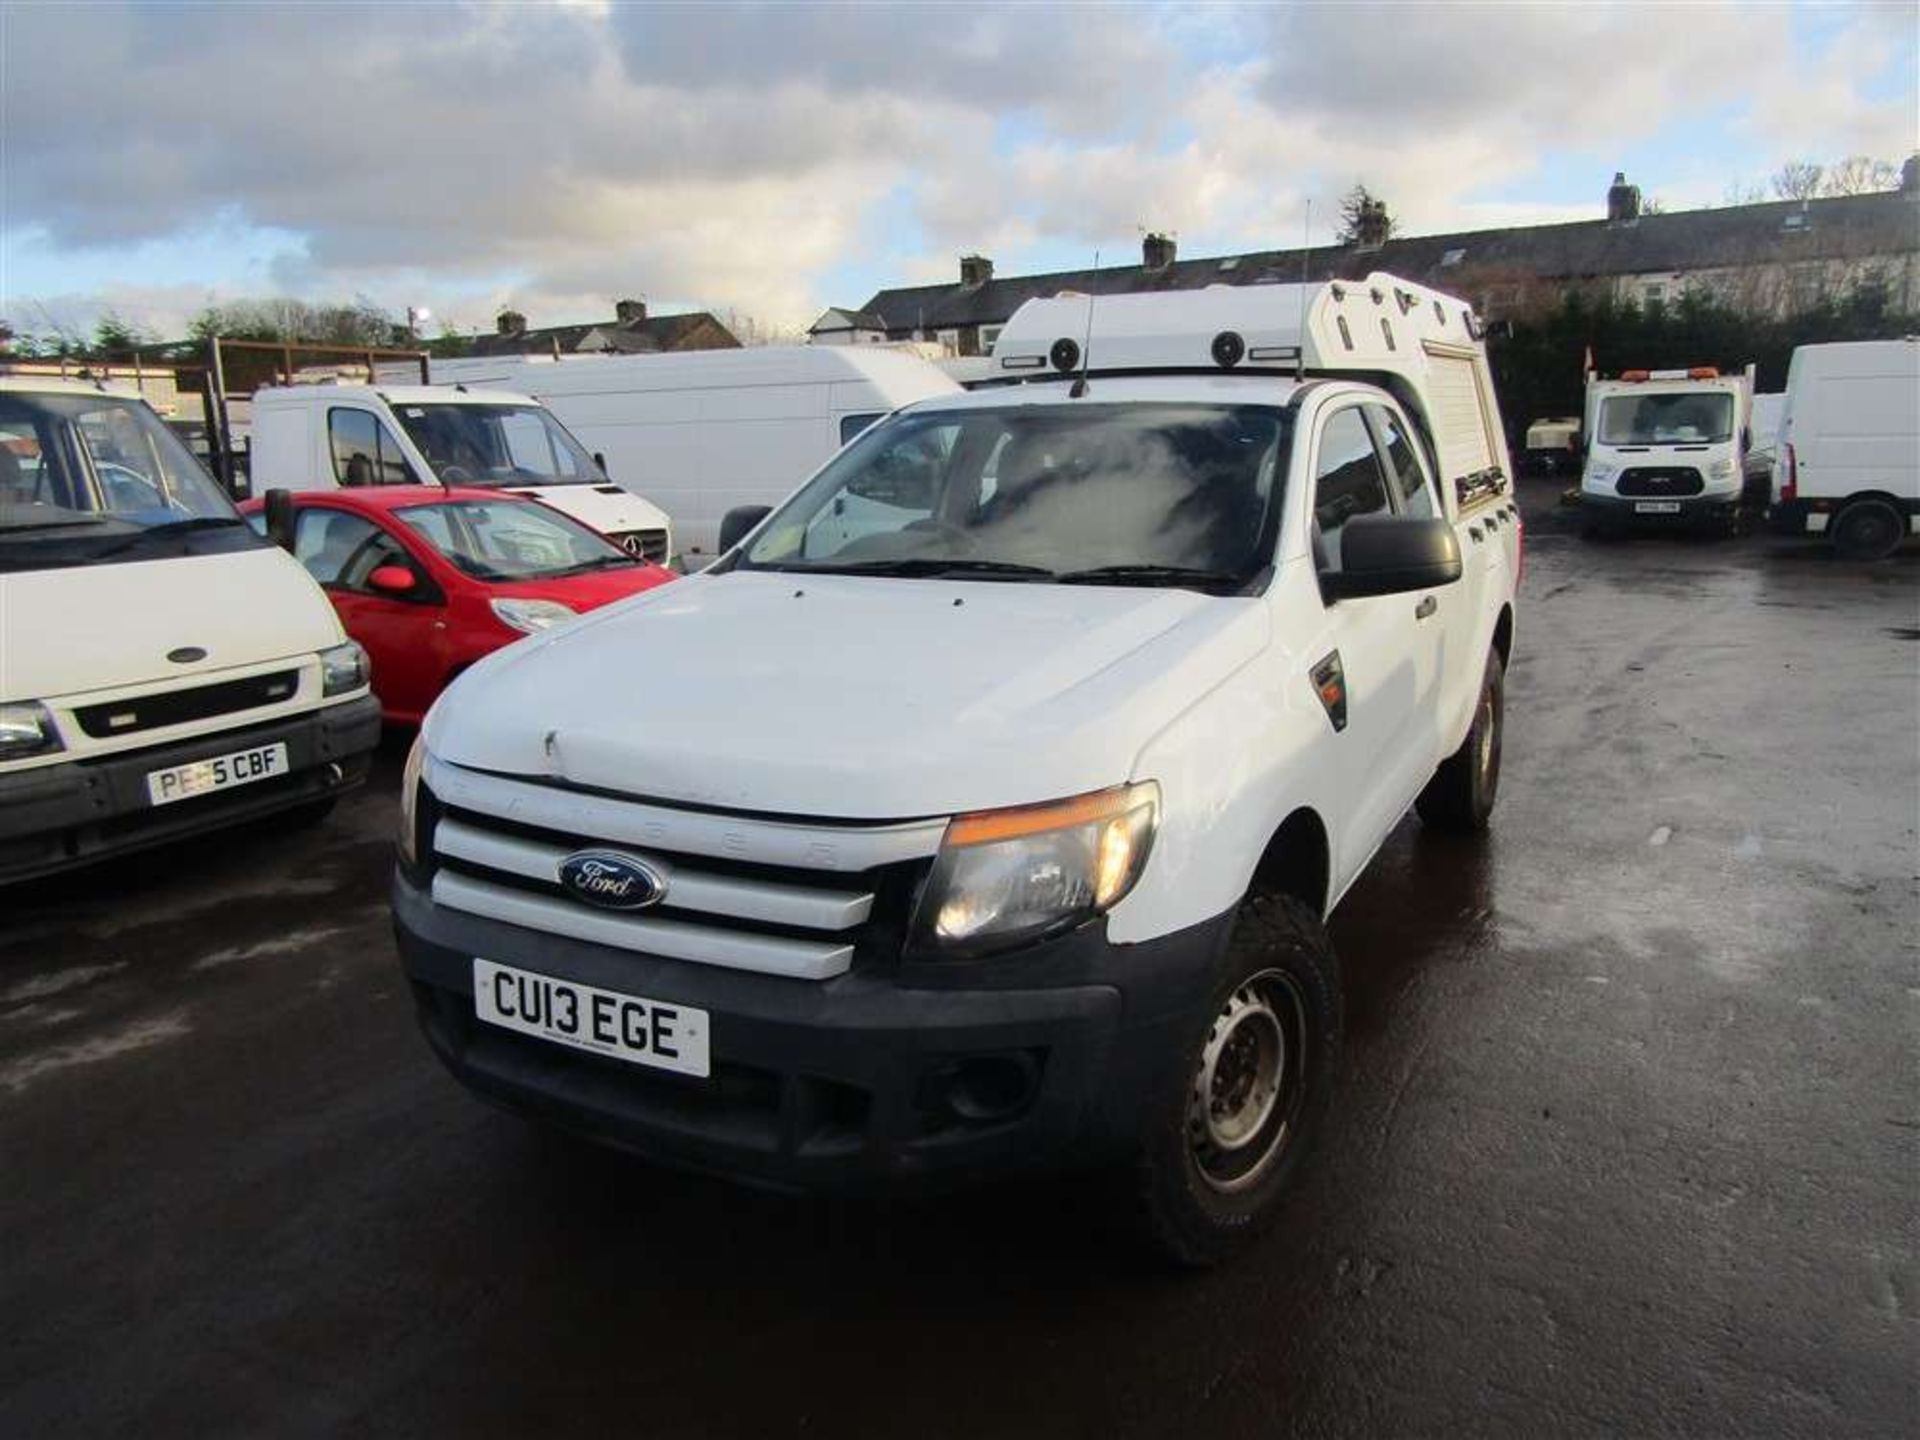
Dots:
pixel 1910 175
pixel 512 322
pixel 975 271
pixel 1623 200
pixel 1157 251
pixel 630 312
pixel 1372 225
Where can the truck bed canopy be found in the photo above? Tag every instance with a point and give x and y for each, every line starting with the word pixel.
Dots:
pixel 1422 344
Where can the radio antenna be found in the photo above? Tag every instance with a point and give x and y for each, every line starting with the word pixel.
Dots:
pixel 1086 349
pixel 1300 339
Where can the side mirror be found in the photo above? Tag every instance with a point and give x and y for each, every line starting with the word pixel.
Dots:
pixel 600 460
pixel 392 580
pixel 1391 555
pixel 738 522
pixel 279 511
pixel 1746 439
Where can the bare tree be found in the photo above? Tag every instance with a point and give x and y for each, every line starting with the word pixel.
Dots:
pixel 1798 180
pixel 1744 192
pixel 1860 175
pixel 752 330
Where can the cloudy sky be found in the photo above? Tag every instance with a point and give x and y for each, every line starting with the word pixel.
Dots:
pixel 773 159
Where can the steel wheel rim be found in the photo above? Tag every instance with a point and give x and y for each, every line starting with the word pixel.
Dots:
pixel 1245 1092
pixel 1872 529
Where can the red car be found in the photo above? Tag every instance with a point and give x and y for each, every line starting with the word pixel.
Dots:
pixel 429 580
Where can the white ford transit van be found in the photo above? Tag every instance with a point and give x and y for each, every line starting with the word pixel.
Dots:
pixel 163 670
pixel 1665 448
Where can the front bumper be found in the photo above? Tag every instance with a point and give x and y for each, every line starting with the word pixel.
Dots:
pixel 855 1084
pixel 1694 510
pixel 58 816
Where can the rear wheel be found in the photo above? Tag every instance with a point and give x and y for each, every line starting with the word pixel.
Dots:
pixel 1238 1112
pixel 1870 529
pixel 1461 793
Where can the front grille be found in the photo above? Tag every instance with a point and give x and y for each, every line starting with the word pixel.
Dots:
pixel 647 544
pixel 1660 481
pixel 727 910
pixel 177 707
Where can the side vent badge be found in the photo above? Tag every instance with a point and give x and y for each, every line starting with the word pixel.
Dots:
pixel 1330 684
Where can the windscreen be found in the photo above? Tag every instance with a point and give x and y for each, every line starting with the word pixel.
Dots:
pixel 87 478
pixel 1132 494
pixel 497 445
pixel 512 540
pixel 1699 417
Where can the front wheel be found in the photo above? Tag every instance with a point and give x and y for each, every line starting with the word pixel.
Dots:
pixel 1870 529
pixel 1461 793
pixel 1241 1107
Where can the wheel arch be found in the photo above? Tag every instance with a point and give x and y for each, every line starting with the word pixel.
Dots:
pixel 1298 860
pixel 1503 634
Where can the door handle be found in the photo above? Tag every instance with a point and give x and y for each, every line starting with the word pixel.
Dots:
pixel 1425 608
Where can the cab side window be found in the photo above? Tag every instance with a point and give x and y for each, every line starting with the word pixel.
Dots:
pixel 341 550
pixel 364 450
pixel 1410 483
pixel 1347 482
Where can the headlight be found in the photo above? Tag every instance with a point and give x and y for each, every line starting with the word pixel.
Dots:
pixel 343 668
pixel 409 838
pixel 1004 876
pixel 1600 472
pixel 531 616
pixel 1721 469
pixel 26 728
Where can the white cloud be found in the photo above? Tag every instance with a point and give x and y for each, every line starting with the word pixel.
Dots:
pixel 556 158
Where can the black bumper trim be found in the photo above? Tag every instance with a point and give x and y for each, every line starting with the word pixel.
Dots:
pixel 58 816
pixel 834 1086
pixel 1694 509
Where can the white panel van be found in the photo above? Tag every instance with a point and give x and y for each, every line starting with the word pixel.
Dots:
pixel 705 431
pixel 163 670
pixel 323 437
pixel 1849 446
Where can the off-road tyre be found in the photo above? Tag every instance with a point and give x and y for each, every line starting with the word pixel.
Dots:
pixel 1197 1204
pixel 1869 529
pixel 1461 793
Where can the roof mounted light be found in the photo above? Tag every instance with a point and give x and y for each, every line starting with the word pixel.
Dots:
pixel 1703 372
pixel 1022 362
pixel 1635 376
pixel 1228 349
pixel 1267 354
pixel 1065 354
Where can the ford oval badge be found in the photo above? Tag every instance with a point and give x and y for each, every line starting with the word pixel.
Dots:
pixel 611 880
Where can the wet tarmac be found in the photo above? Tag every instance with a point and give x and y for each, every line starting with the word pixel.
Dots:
pixel 1628 1141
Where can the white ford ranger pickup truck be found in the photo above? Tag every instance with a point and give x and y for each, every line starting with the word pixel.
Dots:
pixel 980 810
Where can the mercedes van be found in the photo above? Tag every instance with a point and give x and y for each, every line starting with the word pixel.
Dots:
pixel 322 437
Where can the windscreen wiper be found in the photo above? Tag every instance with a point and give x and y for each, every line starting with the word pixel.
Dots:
pixel 929 567
pixel 71 522
pixel 1172 575
pixel 173 528
pixel 598 562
